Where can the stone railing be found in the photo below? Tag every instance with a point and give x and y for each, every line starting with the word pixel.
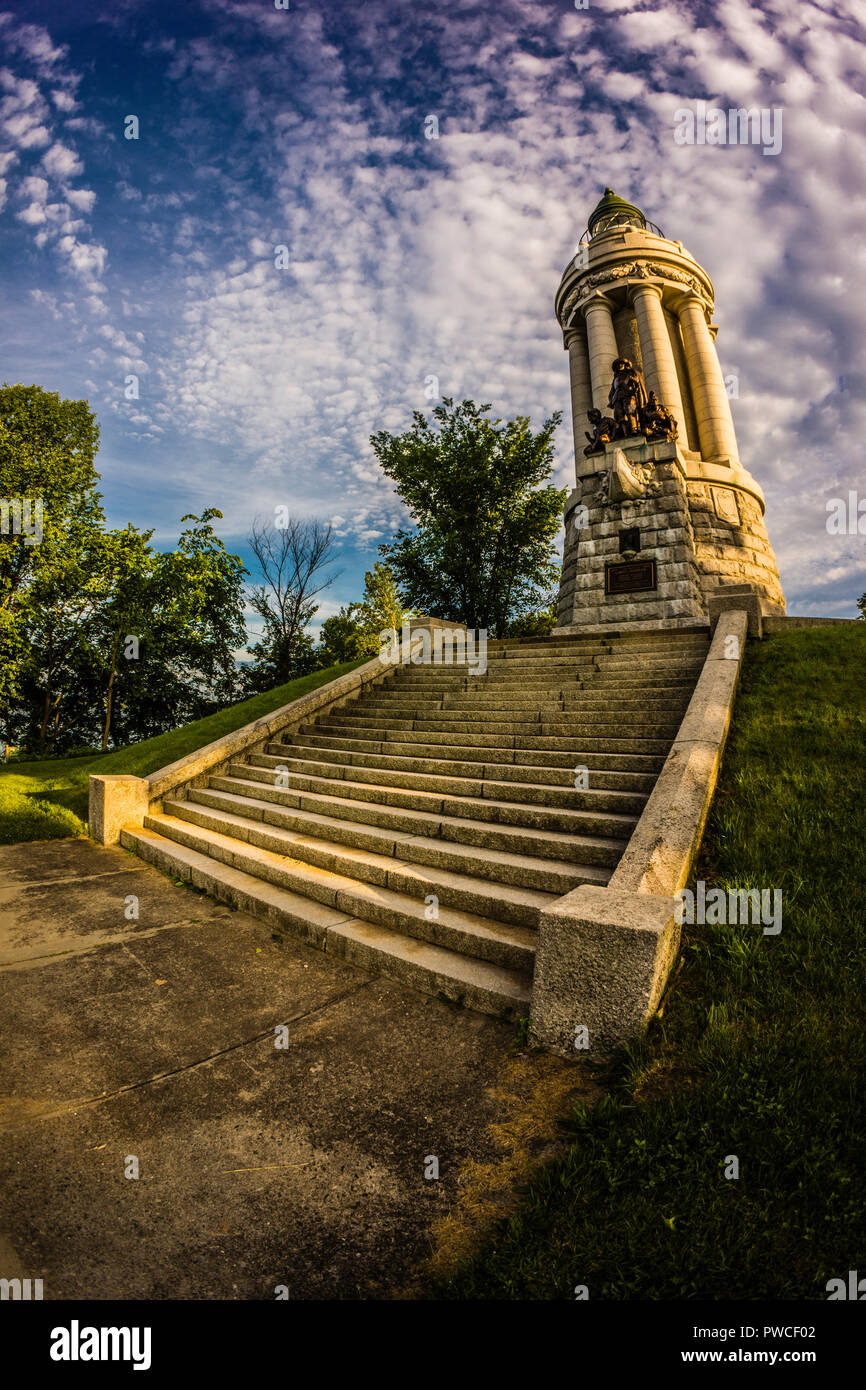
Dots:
pixel 117 801
pixel 603 955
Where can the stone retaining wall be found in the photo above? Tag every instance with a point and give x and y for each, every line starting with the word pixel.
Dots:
pixel 731 541
pixel 603 955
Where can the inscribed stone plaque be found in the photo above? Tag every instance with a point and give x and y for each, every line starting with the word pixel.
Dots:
pixel 629 578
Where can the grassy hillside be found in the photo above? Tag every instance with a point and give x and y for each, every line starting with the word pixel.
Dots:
pixel 760 1051
pixel 47 800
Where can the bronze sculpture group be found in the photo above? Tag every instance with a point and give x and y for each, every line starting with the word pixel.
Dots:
pixel 634 412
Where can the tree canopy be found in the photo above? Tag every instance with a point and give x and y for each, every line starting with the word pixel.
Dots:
pixel 47 451
pixel 103 639
pixel 485 515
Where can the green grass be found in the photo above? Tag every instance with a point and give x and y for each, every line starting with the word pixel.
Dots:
pixel 48 800
pixel 760 1050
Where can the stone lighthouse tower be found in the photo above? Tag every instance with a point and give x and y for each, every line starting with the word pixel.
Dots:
pixel 665 525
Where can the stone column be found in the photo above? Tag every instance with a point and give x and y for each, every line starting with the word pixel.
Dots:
pixel 659 364
pixel 581 385
pixel 602 349
pixel 712 408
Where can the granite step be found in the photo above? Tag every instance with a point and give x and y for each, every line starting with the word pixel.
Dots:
pixel 638 648
pixel 432 680
pixel 555 776
pixel 468 960
pixel 538 757
pixel 358 800
pixel 303 866
pixel 568 746
pixel 644 723
pixel 369 825
pixel 314 775
pixel 325 841
pixel 386 701
pixel 517 661
pixel 514 671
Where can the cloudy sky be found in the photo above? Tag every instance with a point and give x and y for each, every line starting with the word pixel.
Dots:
pixel 410 257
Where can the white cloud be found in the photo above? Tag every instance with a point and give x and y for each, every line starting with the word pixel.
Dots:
pixel 35 42
pixel 85 258
pixel 33 214
pixel 34 187
pixel 83 198
pixel 62 162
pixel 412 259
pixel 26 131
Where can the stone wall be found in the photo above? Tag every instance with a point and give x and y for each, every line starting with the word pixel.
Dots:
pixel 604 955
pixel 665 536
pixel 703 535
pixel 731 541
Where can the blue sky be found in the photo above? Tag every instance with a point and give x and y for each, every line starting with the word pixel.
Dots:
pixel 410 257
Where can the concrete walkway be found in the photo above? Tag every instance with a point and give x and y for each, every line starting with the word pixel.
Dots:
pixel 259 1166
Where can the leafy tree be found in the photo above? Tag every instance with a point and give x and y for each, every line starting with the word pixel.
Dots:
pixel 184 610
pixel 539 624
pixel 128 641
pixel 337 637
pixel 128 614
pixel 204 582
pixel 861 604
pixel 59 677
pixel 483 548
pixel 47 450
pixel 379 609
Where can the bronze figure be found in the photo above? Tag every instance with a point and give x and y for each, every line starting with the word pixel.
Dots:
pixel 627 398
pixel 602 431
pixel 657 421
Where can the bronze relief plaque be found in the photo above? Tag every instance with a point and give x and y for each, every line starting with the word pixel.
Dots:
pixel 629 577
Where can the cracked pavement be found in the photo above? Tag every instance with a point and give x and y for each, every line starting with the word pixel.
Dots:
pixel 153 1038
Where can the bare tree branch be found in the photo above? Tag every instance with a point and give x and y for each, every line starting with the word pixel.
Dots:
pixel 292 561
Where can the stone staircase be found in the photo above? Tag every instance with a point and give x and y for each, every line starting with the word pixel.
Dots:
pixel 419 830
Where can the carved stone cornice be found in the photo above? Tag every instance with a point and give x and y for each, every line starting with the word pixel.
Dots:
pixel 624 270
